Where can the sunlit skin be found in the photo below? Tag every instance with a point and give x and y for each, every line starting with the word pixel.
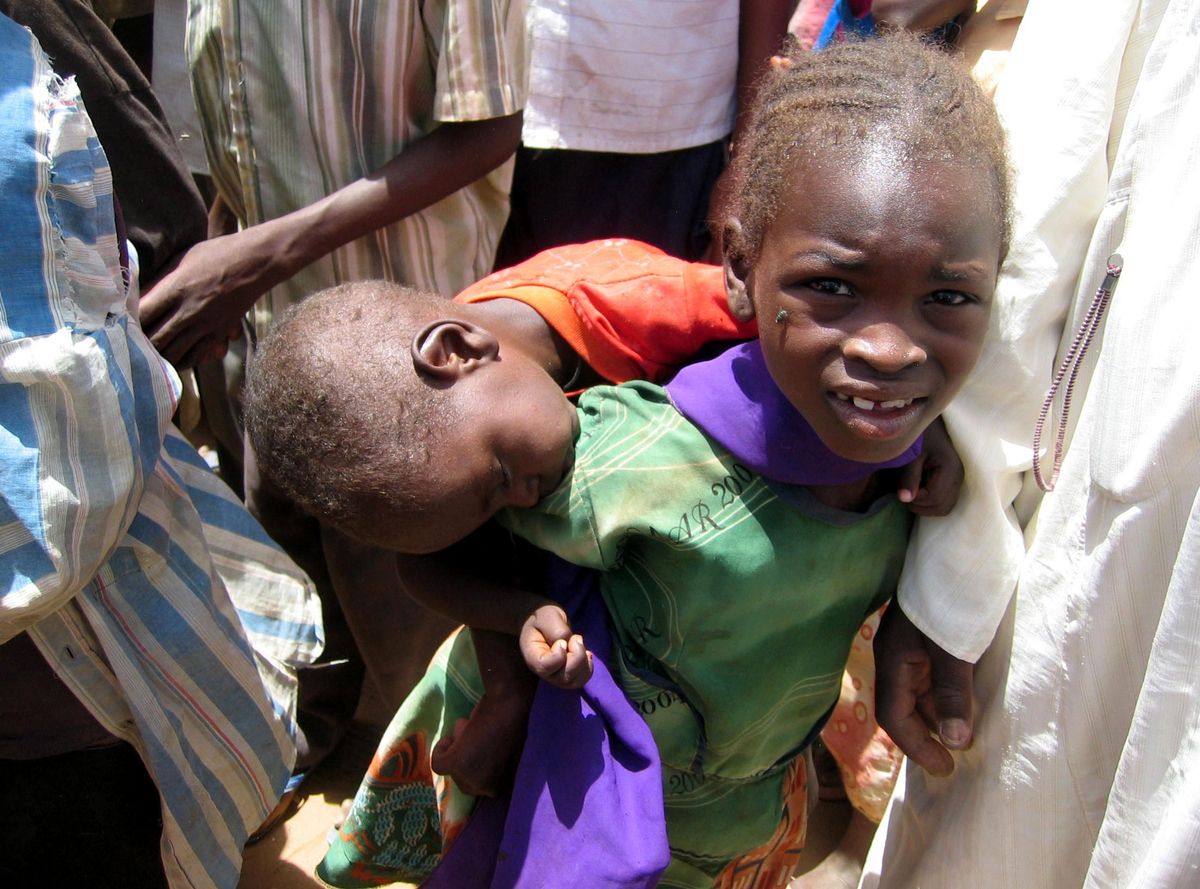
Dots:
pixel 518 446
pixel 873 289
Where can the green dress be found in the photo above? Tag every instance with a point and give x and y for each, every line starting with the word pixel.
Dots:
pixel 734 602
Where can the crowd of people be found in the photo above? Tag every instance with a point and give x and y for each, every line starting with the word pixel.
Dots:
pixel 671 409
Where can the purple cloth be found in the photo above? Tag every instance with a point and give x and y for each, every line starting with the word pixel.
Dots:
pixel 734 400
pixel 587 806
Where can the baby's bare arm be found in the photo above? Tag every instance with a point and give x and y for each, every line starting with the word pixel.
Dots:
pixel 552 651
pixel 482 752
pixel 482 597
pixel 485 598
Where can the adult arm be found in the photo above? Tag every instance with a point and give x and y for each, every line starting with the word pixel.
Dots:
pixel 959 574
pixel 762 26
pixel 918 15
pixel 190 311
pixel 927 692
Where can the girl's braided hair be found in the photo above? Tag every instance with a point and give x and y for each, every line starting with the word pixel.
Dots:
pixel 838 99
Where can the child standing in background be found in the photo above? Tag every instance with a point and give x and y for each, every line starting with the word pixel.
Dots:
pixel 744 518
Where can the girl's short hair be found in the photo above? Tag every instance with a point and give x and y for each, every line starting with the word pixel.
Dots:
pixel 840 98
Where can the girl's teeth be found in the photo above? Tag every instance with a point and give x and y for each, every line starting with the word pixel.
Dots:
pixel 864 404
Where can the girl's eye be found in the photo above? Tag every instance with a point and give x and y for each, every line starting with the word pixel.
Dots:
pixel 832 286
pixel 949 298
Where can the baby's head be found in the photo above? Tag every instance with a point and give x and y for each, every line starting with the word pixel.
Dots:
pixel 390 414
pixel 867 225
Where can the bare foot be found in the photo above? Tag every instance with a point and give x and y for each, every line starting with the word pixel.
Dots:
pixel 482 752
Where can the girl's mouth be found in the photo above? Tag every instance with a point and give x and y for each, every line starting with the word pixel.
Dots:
pixel 880 420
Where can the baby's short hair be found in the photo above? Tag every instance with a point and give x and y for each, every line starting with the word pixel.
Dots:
pixel 920 97
pixel 337 416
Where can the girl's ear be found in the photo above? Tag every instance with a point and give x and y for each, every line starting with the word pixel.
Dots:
pixel 448 349
pixel 737 272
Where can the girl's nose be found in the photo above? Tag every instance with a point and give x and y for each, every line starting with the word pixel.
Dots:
pixel 886 347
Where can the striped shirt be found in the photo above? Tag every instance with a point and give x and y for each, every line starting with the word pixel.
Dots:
pixel 299 99
pixel 113 535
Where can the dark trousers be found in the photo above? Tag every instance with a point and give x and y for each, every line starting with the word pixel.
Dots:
pixel 567 197
pixel 89 818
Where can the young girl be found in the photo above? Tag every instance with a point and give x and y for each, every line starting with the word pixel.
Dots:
pixel 744 518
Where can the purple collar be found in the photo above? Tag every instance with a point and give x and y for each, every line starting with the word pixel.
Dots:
pixel 735 402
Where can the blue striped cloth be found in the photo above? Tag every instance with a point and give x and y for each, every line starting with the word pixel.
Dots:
pixel 142 580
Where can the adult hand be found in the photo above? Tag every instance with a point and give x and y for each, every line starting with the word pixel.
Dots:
pixel 552 651
pixel 921 689
pixel 192 311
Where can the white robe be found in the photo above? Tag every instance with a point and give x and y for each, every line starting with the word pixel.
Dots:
pixel 1085 770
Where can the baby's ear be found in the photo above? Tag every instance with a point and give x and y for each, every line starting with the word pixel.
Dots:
pixel 449 348
pixel 737 271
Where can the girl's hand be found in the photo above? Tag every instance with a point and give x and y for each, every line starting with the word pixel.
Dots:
pixel 552 651
pixel 930 484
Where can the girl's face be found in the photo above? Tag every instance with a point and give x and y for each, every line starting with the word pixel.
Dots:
pixel 872 291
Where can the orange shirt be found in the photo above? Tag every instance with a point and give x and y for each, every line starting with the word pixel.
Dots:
pixel 630 310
